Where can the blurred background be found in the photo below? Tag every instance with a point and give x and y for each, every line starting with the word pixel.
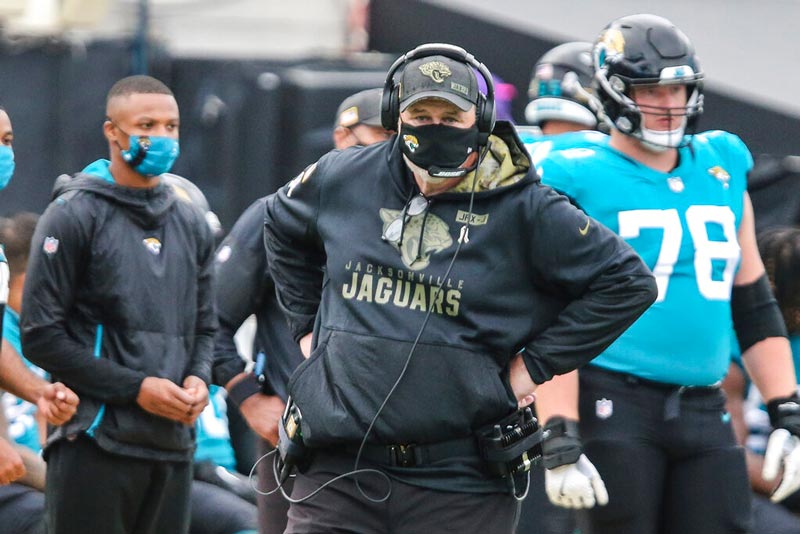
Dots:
pixel 258 81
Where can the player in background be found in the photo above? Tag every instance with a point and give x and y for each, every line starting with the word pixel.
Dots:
pixel 651 411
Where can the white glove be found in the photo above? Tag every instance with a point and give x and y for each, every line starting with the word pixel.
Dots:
pixel 783 450
pixel 575 485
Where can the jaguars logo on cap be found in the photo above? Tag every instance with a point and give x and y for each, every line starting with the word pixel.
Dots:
pixel 435 70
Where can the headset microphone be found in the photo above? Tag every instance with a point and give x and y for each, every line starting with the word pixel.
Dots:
pixel 444 172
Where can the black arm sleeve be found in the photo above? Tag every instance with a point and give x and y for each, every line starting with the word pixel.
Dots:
pixel 206 325
pixel 294 251
pixel 242 279
pixel 50 288
pixel 607 285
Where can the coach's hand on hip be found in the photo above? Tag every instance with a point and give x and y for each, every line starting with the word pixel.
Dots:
pixel 521 382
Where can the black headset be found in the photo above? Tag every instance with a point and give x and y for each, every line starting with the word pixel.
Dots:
pixel 484 107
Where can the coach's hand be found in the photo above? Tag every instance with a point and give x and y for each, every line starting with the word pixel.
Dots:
pixel 521 383
pixel 571 480
pixel 305 344
pixel 783 447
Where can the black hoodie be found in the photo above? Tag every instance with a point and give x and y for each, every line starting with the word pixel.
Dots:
pixel 119 288
pixel 535 275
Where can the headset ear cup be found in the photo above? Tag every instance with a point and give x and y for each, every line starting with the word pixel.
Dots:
pixel 394 106
pixel 490 112
pixel 389 113
pixel 484 115
pixel 480 106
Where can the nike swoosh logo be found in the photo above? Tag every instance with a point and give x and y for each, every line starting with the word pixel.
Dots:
pixel 585 229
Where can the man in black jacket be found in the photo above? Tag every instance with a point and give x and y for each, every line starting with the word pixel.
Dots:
pixel 119 306
pixel 244 288
pixel 442 283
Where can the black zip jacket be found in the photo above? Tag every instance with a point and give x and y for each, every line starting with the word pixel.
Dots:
pixel 119 288
pixel 244 287
pixel 535 275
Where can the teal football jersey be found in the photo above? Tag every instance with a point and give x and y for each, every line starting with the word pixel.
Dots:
pixel 540 146
pixel 213 437
pixel 21 414
pixel 684 225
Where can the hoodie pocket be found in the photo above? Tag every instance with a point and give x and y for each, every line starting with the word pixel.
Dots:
pixel 445 393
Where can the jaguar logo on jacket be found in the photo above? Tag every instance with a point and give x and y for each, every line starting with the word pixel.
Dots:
pixel 153 245
pixel 434 236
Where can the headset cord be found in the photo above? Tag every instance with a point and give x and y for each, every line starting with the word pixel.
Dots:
pixel 253 479
pixel 463 238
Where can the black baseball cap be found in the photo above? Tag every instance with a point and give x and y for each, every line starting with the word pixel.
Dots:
pixel 438 77
pixel 363 107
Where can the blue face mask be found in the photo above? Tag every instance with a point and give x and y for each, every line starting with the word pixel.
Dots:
pixel 151 155
pixel 6 165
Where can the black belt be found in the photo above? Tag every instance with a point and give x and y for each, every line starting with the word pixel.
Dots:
pixel 416 455
pixel 674 392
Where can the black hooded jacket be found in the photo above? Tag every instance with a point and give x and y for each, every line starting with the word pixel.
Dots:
pixel 244 287
pixel 533 274
pixel 119 288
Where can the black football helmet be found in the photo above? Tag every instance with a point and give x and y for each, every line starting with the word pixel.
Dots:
pixel 560 87
pixel 646 50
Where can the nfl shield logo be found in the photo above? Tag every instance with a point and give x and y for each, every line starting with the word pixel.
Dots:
pixel 50 245
pixel 675 184
pixel 604 408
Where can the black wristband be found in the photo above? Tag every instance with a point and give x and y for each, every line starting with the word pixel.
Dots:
pixel 244 389
pixel 784 412
pixel 562 443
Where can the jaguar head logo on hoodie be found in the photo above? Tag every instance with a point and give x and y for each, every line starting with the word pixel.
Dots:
pixel 419 240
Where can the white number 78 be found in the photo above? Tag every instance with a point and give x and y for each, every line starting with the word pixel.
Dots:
pixel 705 251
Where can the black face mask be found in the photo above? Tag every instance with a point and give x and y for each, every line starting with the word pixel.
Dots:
pixel 438 148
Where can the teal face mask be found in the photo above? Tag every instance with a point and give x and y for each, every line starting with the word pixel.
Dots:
pixel 6 165
pixel 151 155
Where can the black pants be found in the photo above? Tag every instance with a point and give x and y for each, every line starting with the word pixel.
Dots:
pixel 89 490
pixel 218 511
pixel 21 510
pixel 539 516
pixel 772 518
pixel 341 508
pixel 678 474
pixel 272 509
